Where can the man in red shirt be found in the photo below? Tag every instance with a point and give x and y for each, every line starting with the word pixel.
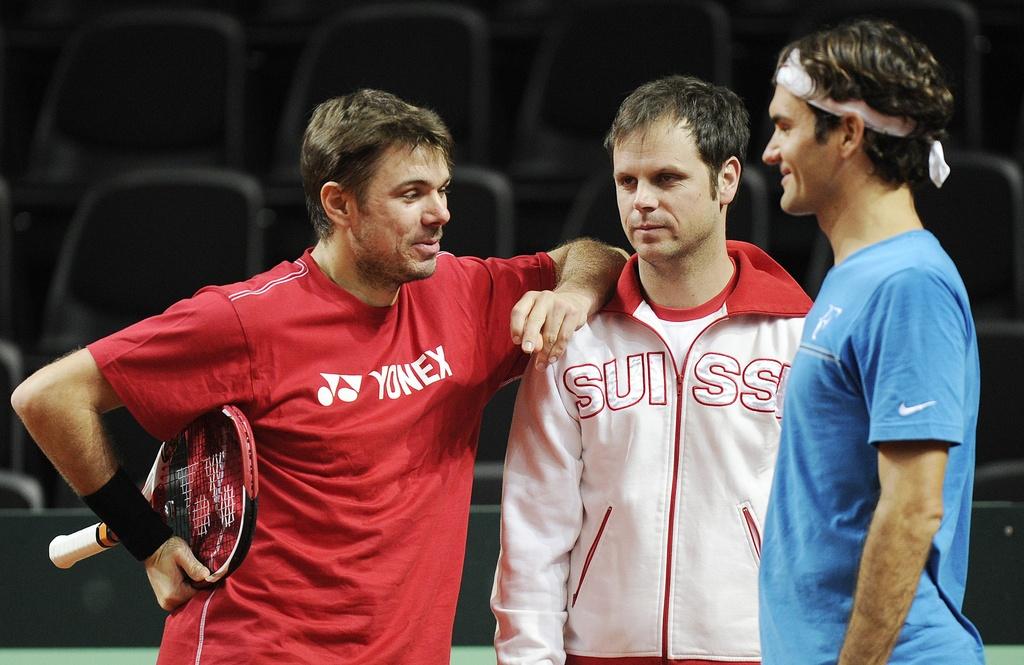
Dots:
pixel 363 367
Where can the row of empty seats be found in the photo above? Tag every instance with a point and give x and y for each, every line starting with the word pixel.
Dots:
pixel 141 240
pixel 180 76
pixel 162 87
pixel 153 162
pixel 170 85
pixel 176 87
pixel 148 216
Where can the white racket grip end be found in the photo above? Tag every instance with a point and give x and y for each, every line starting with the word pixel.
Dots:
pixel 66 551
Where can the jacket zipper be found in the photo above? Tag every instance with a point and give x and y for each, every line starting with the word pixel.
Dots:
pixel 680 378
pixel 590 554
pixel 672 518
pixel 752 531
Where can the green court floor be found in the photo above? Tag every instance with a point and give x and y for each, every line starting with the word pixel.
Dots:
pixel 995 655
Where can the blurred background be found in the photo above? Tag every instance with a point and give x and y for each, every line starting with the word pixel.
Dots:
pixel 151 147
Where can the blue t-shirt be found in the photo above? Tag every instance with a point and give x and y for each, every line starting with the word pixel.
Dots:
pixel 888 353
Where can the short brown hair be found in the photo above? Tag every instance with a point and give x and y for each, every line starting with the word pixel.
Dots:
pixel 347 135
pixel 893 73
pixel 714 114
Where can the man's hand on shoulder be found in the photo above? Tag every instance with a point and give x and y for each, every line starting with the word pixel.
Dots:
pixel 543 322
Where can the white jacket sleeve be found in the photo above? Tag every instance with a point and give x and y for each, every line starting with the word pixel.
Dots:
pixel 541 517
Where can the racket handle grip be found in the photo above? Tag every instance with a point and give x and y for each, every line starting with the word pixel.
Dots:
pixel 67 550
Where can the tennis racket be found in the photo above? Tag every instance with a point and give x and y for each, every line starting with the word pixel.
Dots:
pixel 204 484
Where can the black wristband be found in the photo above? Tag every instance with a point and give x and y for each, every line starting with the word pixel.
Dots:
pixel 124 509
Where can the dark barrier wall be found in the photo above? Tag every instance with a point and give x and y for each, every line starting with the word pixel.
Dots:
pixel 995 577
pixel 106 600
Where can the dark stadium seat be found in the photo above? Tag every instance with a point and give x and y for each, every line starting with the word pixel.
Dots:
pixel 1018 149
pixel 18 490
pixel 978 216
pixel 1001 351
pixel 443 63
pixel 135 89
pixel 451 74
pixel 4 64
pixel 143 88
pixel 594 212
pixel 482 214
pixel 950 29
pixel 12 433
pixel 592 55
pixel 142 240
pixel 56 14
pixel 1000 481
pixel 7 267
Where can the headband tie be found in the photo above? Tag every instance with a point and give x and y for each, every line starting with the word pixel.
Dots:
pixel 793 77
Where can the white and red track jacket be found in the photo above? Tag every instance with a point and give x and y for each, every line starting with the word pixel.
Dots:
pixel 634 492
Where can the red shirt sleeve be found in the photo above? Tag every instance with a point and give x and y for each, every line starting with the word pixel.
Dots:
pixel 171 368
pixel 506 282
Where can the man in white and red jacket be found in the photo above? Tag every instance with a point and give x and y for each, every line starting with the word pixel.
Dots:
pixel 640 462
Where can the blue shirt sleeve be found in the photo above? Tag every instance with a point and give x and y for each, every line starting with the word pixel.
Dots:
pixel 911 353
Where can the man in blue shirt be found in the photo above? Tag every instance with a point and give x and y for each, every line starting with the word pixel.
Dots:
pixel 864 557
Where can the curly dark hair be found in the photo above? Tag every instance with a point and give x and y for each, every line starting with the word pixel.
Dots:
pixel 717 119
pixel 895 74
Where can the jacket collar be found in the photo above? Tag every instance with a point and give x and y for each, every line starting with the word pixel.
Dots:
pixel 762 286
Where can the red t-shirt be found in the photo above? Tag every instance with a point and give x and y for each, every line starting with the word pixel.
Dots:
pixel 366 422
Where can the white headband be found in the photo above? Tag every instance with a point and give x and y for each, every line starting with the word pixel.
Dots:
pixel 793 77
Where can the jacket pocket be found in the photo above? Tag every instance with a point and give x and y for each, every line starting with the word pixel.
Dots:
pixel 752 528
pixel 590 554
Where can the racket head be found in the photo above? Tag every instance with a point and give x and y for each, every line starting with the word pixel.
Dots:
pixel 205 487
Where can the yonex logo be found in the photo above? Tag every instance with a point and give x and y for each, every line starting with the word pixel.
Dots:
pixel 393 381
pixel 346 392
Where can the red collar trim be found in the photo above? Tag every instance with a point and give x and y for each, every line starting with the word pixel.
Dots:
pixel 760 286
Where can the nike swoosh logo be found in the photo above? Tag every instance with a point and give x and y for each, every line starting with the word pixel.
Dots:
pixel 908 410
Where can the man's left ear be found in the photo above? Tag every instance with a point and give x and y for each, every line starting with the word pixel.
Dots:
pixel 851 134
pixel 728 180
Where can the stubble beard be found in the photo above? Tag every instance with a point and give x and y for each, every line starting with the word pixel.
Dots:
pixel 390 273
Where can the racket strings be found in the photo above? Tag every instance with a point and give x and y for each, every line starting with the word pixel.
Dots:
pixel 205 492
